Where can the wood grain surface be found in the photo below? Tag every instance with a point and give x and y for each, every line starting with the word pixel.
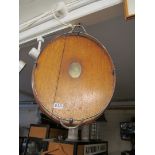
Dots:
pixel 38 132
pixel 83 98
pixel 59 149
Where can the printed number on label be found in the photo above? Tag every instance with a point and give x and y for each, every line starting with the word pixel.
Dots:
pixel 58 106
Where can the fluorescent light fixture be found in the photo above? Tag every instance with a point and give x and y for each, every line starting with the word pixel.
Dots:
pixel 34 53
pixel 21 65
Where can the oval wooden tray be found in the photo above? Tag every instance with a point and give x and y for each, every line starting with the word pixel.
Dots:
pixel 68 99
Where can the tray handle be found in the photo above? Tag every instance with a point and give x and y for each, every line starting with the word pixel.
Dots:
pixel 77 29
pixel 70 121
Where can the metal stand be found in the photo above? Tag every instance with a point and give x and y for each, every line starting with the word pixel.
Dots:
pixel 72 134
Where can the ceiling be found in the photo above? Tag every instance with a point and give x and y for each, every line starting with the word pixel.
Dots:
pixel 29 9
pixel 115 33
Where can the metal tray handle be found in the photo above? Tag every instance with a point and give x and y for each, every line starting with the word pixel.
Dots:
pixel 77 29
pixel 69 127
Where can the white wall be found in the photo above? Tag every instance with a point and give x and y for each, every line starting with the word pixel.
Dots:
pixel 110 130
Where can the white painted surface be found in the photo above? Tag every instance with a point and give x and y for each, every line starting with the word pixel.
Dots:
pixel 48 15
pixel 29 9
pixel 50 26
pixel 131 7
